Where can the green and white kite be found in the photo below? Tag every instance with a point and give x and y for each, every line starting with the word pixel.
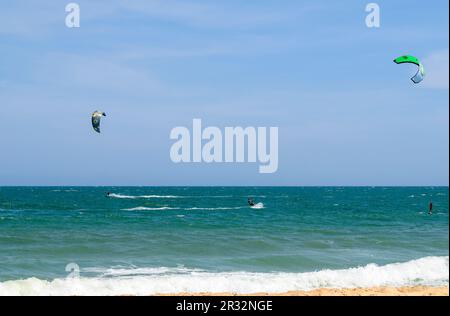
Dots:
pixel 407 59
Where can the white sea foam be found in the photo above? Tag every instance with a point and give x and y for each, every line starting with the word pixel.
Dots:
pixel 213 208
pixel 143 208
pixel 121 196
pixel 124 196
pixel 258 206
pixel 214 196
pixel 128 272
pixel 432 271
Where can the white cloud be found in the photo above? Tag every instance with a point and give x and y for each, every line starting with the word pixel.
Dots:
pixel 436 66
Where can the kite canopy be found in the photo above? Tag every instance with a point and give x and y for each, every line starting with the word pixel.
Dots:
pixel 96 116
pixel 407 59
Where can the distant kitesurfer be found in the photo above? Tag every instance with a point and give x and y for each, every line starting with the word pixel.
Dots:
pixel 108 194
pixel 251 202
pixel 430 208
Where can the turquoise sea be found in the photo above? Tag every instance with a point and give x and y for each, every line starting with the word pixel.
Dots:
pixel 146 240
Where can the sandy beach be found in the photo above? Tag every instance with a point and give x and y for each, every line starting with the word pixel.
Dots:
pixel 376 291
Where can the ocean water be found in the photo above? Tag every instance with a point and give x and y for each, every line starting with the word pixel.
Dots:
pixel 147 240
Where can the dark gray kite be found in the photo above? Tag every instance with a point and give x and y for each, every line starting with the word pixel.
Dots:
pixel 96 117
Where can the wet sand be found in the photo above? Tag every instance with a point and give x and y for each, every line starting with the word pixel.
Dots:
pixel 376 291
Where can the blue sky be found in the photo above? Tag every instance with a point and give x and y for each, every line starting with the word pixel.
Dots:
pixel 347 115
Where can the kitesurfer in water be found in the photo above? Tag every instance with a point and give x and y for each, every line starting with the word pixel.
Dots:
pixel 108 194
pixel 430 208
pixel 251 202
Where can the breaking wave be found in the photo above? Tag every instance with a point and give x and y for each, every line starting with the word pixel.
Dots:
pixel 143 208
pixel 433 271
pixel 258 206
pixel 121 196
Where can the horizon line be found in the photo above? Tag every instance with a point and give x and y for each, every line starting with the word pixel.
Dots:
pixel 230 186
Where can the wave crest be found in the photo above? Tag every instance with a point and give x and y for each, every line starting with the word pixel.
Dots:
pixel 432 271
pixel 121 196
pixel 258 206
pixel 143 208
